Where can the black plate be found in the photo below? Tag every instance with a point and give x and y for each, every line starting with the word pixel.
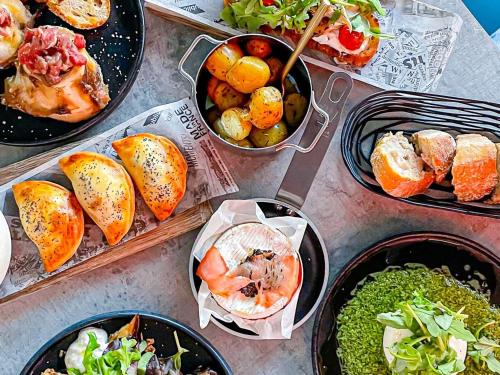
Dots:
pixel 410 112
pixel 117 46
pixel 156 326
pixel 429 248
pixel 314 262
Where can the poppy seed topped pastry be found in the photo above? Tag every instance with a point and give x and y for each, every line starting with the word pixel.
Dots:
pixel 158 169
pixel 51 218
pixel 105 191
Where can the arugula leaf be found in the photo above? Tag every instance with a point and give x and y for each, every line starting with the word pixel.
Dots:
pixel 176 358
pixel 493 363
pixel 394 320
pixel 444 321
pixel 457 329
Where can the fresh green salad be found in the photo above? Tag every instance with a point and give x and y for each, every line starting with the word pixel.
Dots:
pixel 293 14
pixel 435 335
pixel 430 324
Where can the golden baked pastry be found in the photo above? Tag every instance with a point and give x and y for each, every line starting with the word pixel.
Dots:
pixel 51 218
pixel 474 167
pixel 105 191
pixel 437 149
pixel 158 169
pixel 397 168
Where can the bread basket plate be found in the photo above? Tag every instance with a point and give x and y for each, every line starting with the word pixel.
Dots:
pixel 394 111
pixel 152 325
pixel 118 48
pixel 465 259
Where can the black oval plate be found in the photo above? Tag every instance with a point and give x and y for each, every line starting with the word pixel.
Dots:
pixel 314 267
pixel 428 248
pixel 117 46
pixel 410 112
pixel 156 326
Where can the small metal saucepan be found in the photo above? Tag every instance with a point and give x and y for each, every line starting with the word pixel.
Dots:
pixel 299 73
pixel 288 202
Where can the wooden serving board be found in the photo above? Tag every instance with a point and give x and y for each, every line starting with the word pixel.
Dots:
pixel 177 225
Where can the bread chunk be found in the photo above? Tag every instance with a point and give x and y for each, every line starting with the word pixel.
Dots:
pixel 474 167
pixel 82 14
pixel 397 168
pixel 437 149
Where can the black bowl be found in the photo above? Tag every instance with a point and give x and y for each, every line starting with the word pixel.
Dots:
pixel 428 248
pixel 156 326
pixel 117 46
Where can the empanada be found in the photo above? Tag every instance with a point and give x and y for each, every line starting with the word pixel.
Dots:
pixel 105 191
pixel 52 219
pixel 158 169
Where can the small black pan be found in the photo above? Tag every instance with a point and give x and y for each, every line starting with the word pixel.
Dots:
pixel 117 46
pixel 288 202
pixel 161 328
pixel 463 257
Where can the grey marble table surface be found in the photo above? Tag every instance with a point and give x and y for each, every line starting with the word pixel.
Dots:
pixel 349 217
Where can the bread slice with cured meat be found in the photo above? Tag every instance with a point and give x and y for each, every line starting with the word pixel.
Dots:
pixel 82 14
pixel 437 149
pixel 474 167
pixel 397 168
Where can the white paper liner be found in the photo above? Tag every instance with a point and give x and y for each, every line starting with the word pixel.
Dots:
pixel 230 214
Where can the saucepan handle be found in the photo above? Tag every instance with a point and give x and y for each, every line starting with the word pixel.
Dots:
pixel 326 120
pixel 333 94
pixel 193 45
pixel 304 166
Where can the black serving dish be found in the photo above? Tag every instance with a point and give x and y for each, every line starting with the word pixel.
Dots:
pixel 410 112
pixel 156 326
pixel 429 248
pixel 117 46
pixel 314 269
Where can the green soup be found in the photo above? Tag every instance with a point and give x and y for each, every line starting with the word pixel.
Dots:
pixel 360 335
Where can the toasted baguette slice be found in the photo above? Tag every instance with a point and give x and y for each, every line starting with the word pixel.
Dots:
pixel 437 149
pixel 495 196
pixel 82 14
pixel 474 167
pixel 397 168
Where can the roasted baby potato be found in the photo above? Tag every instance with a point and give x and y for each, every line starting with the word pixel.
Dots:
pixel 222 59
pixel 243 143
pixel 269 137
pixel 275 66
pixel 295 109
pixel 226 97
pixel 248 74
pixel 266 107
pixel 235 123
pixel 259 47
pixel 217 126
pixel 211 86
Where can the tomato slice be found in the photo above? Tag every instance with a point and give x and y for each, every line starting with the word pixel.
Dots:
pixel 350 39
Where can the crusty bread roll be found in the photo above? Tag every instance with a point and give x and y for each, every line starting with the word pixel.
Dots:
pixel 397 168
pixel 474 167
pixel 82 14
pixel 495 196
pixel 437 149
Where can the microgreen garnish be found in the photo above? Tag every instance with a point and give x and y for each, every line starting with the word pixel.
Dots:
pixel 482 352
pixel 427 350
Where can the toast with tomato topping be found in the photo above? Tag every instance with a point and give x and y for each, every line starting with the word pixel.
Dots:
pixel 349 32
